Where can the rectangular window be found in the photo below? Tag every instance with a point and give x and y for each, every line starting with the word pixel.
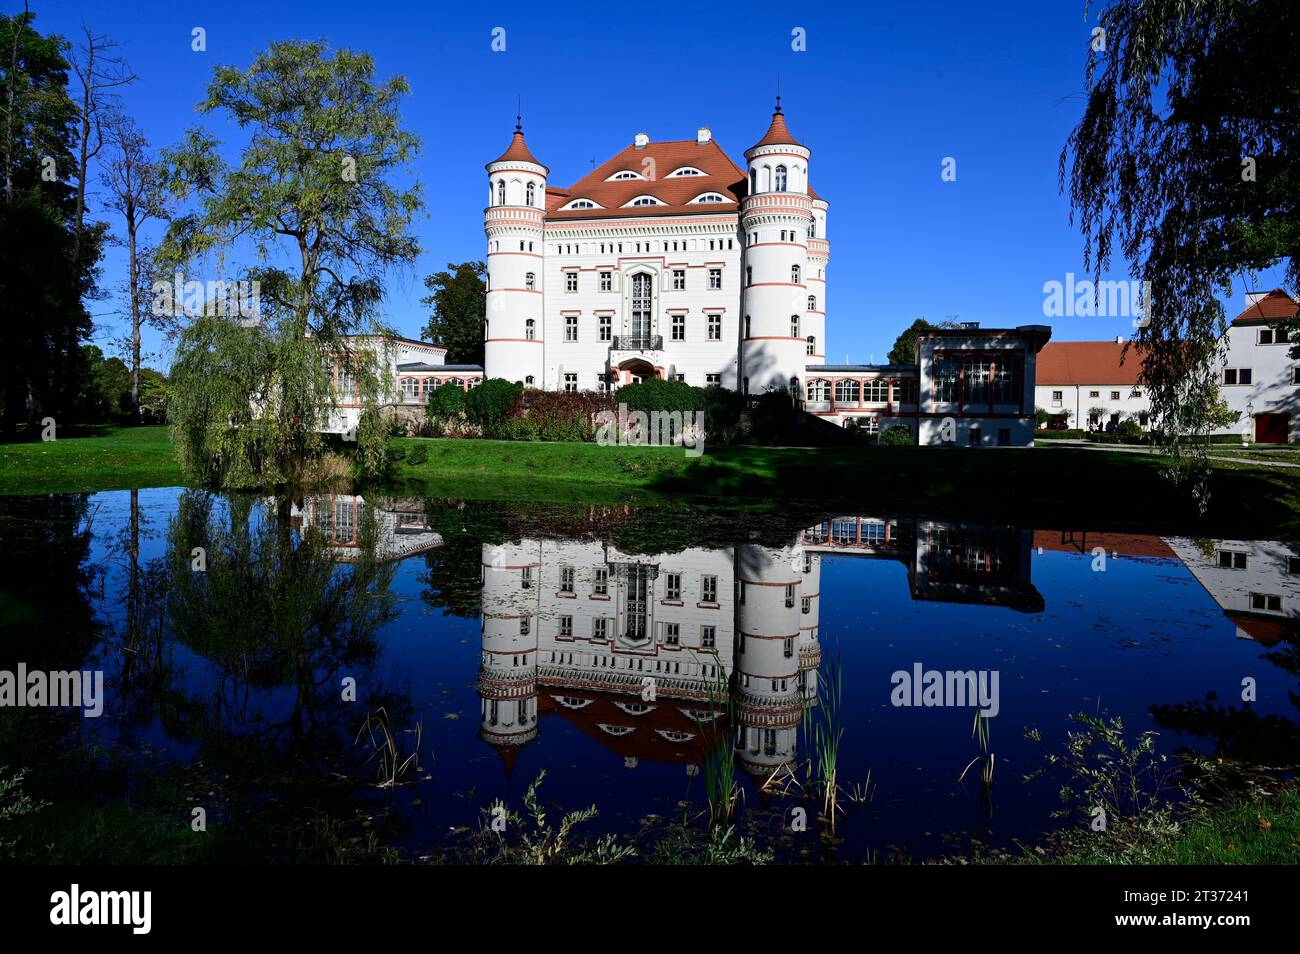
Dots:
pixel 1094 394
pixel 1232 559
pixel 566 579
pixel 1114 395
pixel 571 328
pixel 1266 601
pixel 600 628
pixel 1008 379
pixel 976 438
pixel 946 372
pixel 789 647
pixel 566 626
pixel 978 373
pixel 571 382
pixel 679 327
pixel 806 605
pixel 708 637
pixel 715 327
pixel 679 279
pixel 606 327
pixel 673 586
pixel 715 278
pixel 606 281
pixel 789 596
pixel 1056 398
pixel 524 626
pixel 1274 336
pixel 712 380
pixel 1237 375
pixel 570 281
pixel 1004 437
pixel 526 578
pixel 672 634
pixel 709 589
pixel 875 391
pixel 1295 374
pixel 600 581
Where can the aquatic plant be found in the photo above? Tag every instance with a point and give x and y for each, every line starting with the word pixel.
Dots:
pixel 391 765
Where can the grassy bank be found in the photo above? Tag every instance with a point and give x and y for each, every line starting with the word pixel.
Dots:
pixel 1058 486
pixel 90 459
pixel 1264 830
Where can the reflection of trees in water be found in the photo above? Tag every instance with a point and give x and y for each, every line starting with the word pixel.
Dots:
pixel 278 623
pixel 1239 733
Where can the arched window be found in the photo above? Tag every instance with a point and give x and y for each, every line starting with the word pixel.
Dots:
pixel 780 179
pixel 753 181
pixel 530 281
pixel 812 229
pixel 529 380
pixel 531 191
pixel 812 302
pixel 749 274
pixel 747 326
pixel 794 326
pixel 530 329
pixel 846 392
pixel 795 392
pixel 812 345
pixel 819 389
pixel 795 274
pixel 501 192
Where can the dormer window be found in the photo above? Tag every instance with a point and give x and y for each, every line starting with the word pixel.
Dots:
pixel 708 197
pixel 644 200
pixel 684 171
pixel 580 204
pixel 625 174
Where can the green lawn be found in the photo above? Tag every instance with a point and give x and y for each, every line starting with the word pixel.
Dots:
pixel 100 458
pixel 1054 487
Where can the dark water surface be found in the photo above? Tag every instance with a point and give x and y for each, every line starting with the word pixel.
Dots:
pixel 501 641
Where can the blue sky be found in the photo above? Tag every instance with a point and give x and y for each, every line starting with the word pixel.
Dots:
pixel 882 94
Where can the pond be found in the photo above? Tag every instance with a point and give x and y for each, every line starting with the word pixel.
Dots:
pixel 408 661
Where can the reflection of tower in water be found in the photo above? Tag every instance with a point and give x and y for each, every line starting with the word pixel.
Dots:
pixel 507 676
pixel 777 653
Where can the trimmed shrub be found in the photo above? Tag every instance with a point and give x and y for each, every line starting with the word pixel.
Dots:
pixel 657 394
pixel 557 416
pixel 489 405
pixel 897 436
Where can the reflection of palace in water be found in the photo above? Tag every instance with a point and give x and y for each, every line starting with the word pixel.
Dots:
pixel 401 525
pixel 581 630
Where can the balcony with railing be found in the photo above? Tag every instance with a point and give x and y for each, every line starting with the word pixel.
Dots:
pixel 637 343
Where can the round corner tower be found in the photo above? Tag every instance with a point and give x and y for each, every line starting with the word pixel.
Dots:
pixel 513 327
pixel 781 308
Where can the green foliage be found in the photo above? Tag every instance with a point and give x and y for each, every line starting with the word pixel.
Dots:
pixel 557 416
pixel 488 406
pixel 656 394
pixel 458 298
pixel 45 268
pixel 1187 161
pixel 897 436
pixel 445 403
pixel 315 180
pixel 1041 416
pixel 904 349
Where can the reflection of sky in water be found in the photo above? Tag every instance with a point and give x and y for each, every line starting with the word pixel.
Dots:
pixel 1142 633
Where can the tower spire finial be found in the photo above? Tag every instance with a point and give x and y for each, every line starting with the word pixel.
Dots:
pixel 519 111
pixel 778 93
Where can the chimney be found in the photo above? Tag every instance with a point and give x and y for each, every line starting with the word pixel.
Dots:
pixel 703 135
pixel 1119 339
pixel 642 140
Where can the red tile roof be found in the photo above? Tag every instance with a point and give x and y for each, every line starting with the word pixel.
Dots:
pixel 777 134
pixel 721 175
pixel 518 151
pixel 1088 362
pixel 1124 544
pixel 1275 305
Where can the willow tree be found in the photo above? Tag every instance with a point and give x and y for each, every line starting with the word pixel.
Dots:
pixel 1187 155
pixel 319 205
